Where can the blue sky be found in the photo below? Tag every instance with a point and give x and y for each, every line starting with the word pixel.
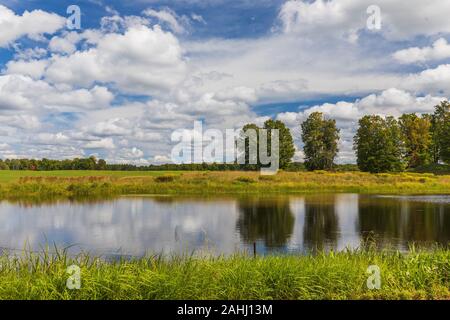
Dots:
pixel 228 19
pixel 137 71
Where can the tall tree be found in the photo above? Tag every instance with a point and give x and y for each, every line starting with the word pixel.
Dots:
pixel 286 142
pixel 378 145
pixel 249 144
pixel 440 128
pixel 320 138
pixel 101 164
pixel 416 136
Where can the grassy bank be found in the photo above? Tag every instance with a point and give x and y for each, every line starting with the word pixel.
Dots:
pixel 102 183
pixel 416 275
pixel 7 176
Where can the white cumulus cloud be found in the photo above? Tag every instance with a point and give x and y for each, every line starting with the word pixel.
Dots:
pixel 438 51
pixel 31 24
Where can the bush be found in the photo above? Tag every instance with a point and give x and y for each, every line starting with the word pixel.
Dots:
pixel 266 178
pixel 245 180
pixel 3 166
pixel 165 179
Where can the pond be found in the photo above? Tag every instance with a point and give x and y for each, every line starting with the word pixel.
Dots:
pixel 277 224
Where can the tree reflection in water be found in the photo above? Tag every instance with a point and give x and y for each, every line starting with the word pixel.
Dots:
pixel 392 221
pixel 321 226
pixel 267 220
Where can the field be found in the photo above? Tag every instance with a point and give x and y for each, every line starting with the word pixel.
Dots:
pixel 417 275
pixel 26 184
pixel 12 176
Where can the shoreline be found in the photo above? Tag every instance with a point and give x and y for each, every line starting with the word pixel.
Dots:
pixel 101 184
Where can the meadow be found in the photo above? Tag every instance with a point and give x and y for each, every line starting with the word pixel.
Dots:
pixel 15 175
pixel 26 184
pixel 416 275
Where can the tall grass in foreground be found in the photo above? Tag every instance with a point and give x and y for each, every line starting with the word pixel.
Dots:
pixel 416 275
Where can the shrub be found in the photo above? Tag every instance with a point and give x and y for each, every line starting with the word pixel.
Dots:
pixel 165 179
pixel 245 180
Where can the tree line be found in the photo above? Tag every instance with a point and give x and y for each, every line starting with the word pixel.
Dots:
pixel 411 141
pixel 92 163
pixel 381 144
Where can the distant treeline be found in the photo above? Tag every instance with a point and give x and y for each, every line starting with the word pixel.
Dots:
pixel 93 164
pixel 382 144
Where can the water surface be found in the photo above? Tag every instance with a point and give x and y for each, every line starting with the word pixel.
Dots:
pixel 294 224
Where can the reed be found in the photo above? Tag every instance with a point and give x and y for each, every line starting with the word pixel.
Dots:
pixel 343 275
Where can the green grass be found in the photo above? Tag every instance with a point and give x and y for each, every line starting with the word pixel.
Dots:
pixel 12 175
pixel 416 275
pixel 17 184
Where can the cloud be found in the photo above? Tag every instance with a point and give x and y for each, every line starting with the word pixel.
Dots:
pixel 161 159
pixel 284 67
pixel 52 138
pixel 111 10
pixel 438 51
pixel 32 68
pixel 66 44
pixel 22 121
pixel 32 24
pixel 29 53
pixel 133 153
pixel 393 102
pixel 244 94
pixel 4 146
pixel 112 127
pixel 166 16
pixel 347 18
pixel 198 18
pixel 435 80
pixel 18 92
pixel 143 60
pixel 282 89
pixel 106 143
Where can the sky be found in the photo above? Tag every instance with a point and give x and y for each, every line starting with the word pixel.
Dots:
pixel 135 72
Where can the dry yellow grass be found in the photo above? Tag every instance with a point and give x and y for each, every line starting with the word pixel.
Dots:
pixel 224 182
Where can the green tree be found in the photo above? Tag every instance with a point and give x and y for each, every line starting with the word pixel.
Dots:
pixel 440 128
pixel 101 164
pixel 416 136
pixel 320 138
pixel 91 163
pixel 286 142
pixel 3 165
pixel 249 136
pixel 378 145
